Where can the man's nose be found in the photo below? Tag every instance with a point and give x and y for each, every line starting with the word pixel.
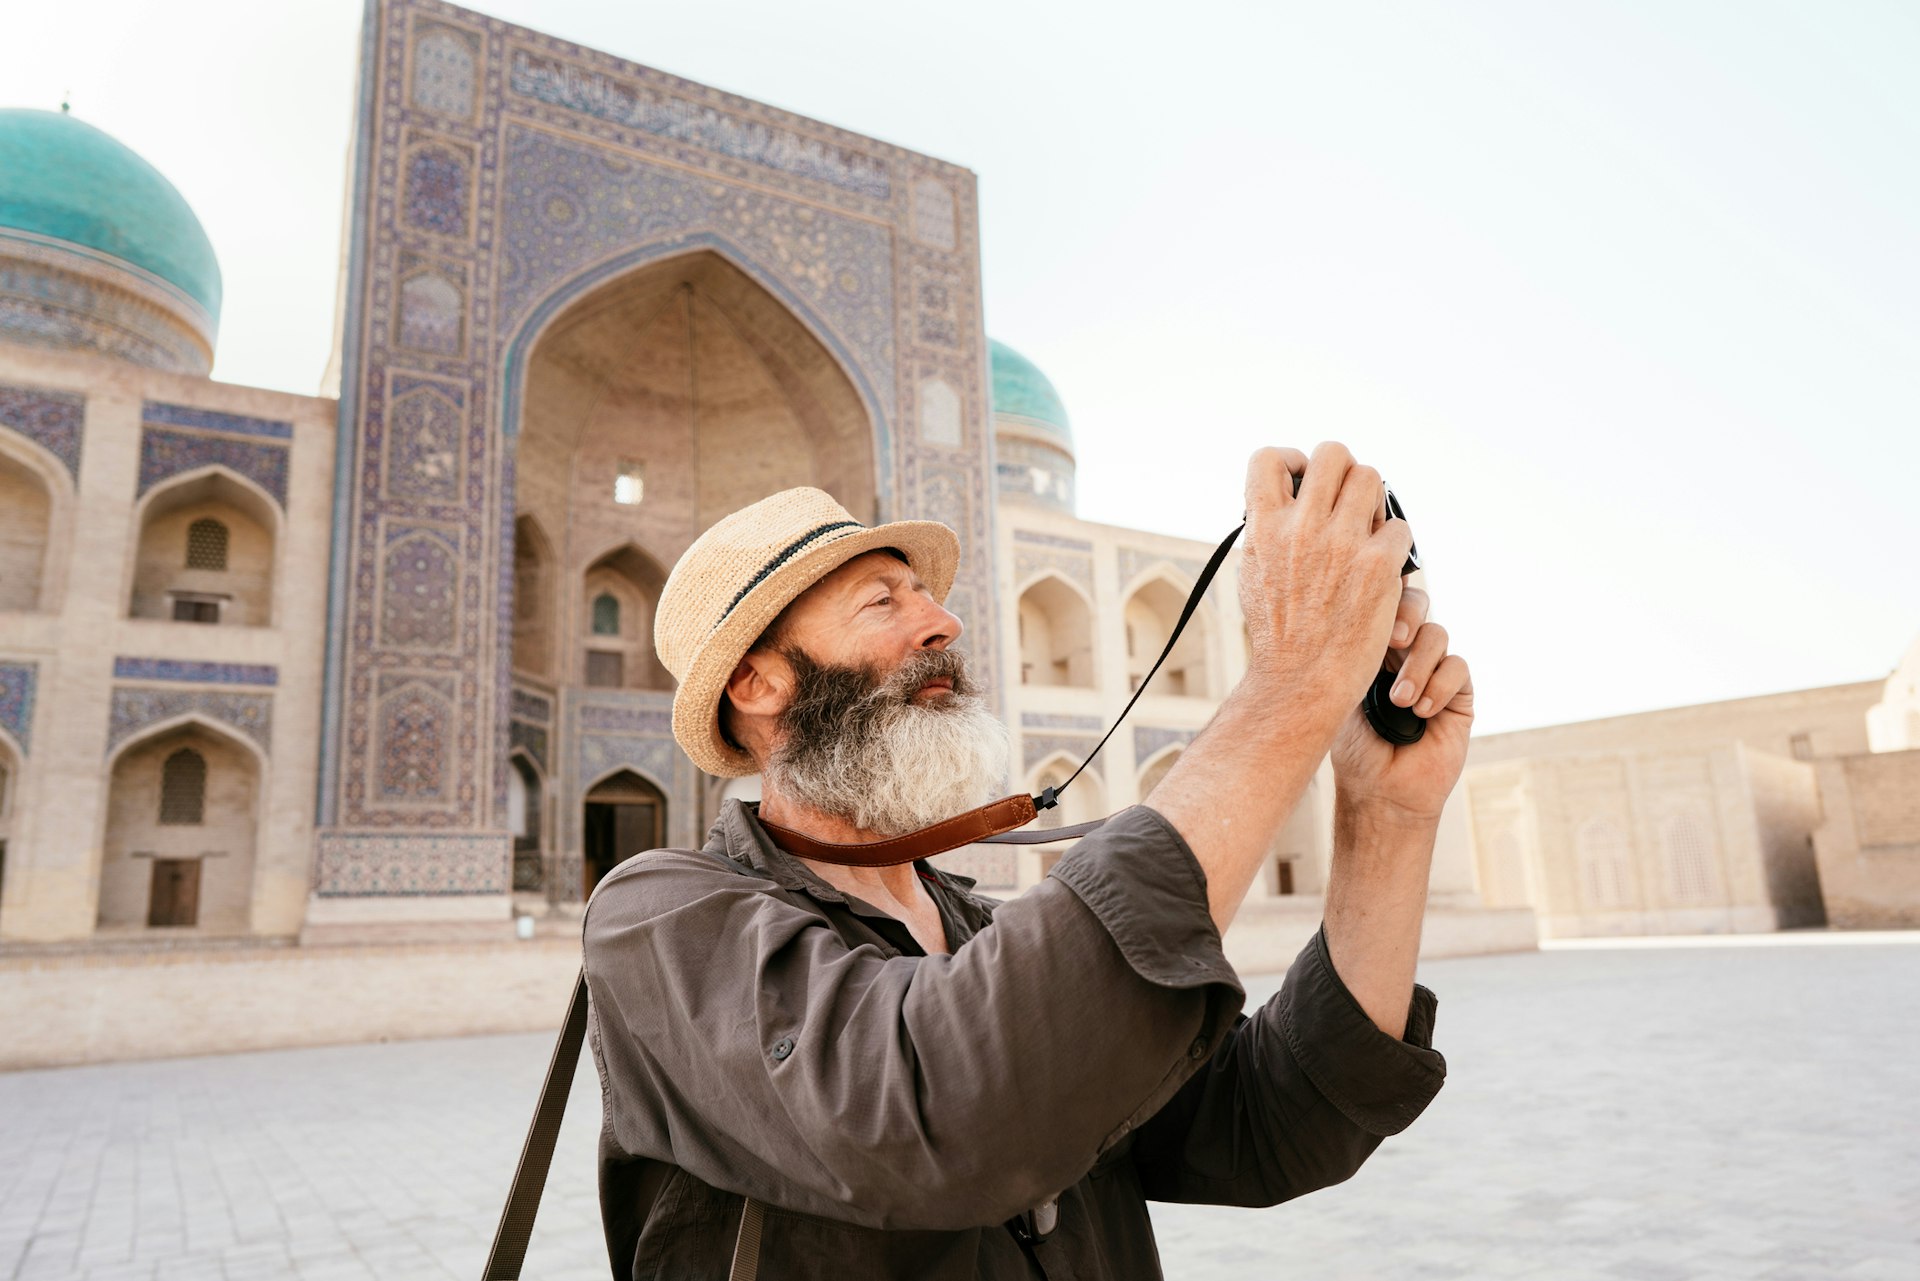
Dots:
pixel 937 627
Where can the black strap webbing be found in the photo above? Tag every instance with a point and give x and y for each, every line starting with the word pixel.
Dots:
pixel 536 1155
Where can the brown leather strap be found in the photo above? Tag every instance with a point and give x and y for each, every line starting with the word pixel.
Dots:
pixel 991 819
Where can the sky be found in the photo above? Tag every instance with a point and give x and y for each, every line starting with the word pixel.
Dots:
pixel 1622 298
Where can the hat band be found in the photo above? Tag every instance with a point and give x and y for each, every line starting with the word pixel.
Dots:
pixel 786 554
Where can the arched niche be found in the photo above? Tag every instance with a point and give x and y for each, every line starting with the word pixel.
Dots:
pixel 626 814
pixel 183 807
pixel 618 595
pixel 1056 635
pixel 526 820
pixel 1293 860
pixel 660 401
pixel 1084 802
pixel 206 552
pixel 1150 612
pixel 29 499
pixel 533 598
pixel 1155 768
pixel 10 774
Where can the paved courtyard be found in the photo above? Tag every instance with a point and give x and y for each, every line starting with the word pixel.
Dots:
pixel 1744 1111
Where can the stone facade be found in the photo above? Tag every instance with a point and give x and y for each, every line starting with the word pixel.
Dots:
pixel 102 676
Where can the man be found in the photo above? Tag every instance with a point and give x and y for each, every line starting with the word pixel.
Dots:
pixel 854 1072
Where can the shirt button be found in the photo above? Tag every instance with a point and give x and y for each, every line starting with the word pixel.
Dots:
pixel 1198 1050
pixel 782 1048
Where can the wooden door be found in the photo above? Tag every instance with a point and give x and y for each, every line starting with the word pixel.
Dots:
pixel 176 892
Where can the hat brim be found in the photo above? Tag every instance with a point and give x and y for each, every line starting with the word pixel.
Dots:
pixel 931 549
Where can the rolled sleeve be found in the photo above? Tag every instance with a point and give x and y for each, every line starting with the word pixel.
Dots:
pixel 1144 884
pixel 1379 1082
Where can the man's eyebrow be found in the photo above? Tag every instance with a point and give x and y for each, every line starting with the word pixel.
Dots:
pixel 888 575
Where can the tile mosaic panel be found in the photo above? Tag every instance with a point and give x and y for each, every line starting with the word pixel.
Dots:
pixel 1061 720
pixel 415 720
pixel 630 720
pixel 175 669
pixel 135 708
pixel 53 420
pixel 158 411
pixel 166 452
pixel 439 188
pixel 531 739
pixel 16 701
pixel 1134 562
pixel 1037 747
pixel 1148 739
pixel 656 111
pixel 433 313
pixel 426 432
pixel 419 581
pixel 602 754
pixel 392 864
pixel 1061 541
pixel 532 707
pixel 446 64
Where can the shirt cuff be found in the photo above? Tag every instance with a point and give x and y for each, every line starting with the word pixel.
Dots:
pixel 1379 1083
pixel 1137 875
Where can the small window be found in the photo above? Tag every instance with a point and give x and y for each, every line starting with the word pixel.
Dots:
pixel 606 615
pixel 604 669
pixel 196 609
pixel 630 484
pixel 1802 747
pixel 183 789
pixel 206 544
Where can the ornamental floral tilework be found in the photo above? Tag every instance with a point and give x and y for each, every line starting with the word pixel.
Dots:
pixel 502 174
pixel 1148 739
pixel 166 452
pixel 54 420
pixel 135 708
pixel 381 864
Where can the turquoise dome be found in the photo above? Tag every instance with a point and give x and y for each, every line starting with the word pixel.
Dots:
pixel 65 179
pixel 1021 391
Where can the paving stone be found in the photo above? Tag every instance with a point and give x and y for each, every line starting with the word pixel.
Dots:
pixel 1684 1114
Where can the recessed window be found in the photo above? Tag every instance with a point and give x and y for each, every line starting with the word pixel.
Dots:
pixel 190 607
pixel 605 670
pixel 630 484
pixel 206 544
pixel 183 789
pixel 1802 745
pixel 606 615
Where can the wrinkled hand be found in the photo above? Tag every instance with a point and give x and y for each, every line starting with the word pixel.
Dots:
pixel 1319 579
pixel 1411 782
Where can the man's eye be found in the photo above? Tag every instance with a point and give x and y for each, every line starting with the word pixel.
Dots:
pixel 883 600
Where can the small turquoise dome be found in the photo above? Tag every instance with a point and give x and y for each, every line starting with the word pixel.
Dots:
pixel 1021 391
pixel 65 179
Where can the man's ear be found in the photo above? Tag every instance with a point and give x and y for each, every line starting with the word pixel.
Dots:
pixel 760 684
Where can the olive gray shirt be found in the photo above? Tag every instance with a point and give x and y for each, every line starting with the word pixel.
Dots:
pixel 760 1033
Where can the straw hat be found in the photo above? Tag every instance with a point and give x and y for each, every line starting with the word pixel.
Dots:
pixel 739 575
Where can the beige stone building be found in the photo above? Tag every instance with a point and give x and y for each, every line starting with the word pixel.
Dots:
pixel 1783 811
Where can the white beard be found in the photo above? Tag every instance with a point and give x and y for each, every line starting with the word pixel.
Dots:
pixel 892 765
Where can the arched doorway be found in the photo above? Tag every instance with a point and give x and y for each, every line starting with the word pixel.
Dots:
pixel 182 820
pixel 1056 635
pixel 626 815
pixel 26 507
pixel 1151 611
pixel 206 553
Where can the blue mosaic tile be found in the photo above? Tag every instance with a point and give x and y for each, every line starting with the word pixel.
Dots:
pixel 649 110
pixel 1148 739
pixel 165 452
pixel 531 739
pixel 627 720
pixel 176 669
pixel 135 708
pixel 392 865
pixel 16 701
pixel 1060 720
pixel 1052 540
pixel 532 707
pixel 155 411
pixel 54 420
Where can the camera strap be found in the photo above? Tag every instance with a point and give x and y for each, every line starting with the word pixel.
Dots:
pixel 997 821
